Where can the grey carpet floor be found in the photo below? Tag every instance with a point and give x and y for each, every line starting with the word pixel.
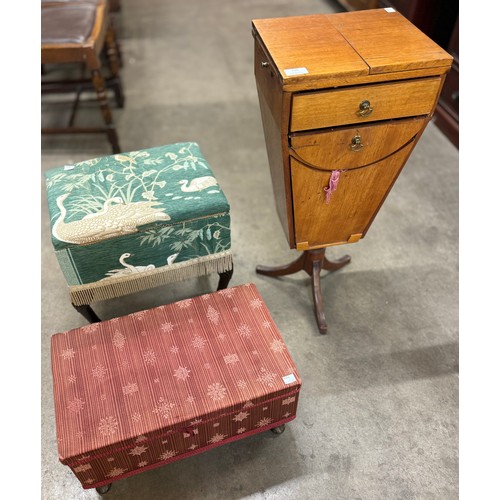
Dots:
pixel 378 414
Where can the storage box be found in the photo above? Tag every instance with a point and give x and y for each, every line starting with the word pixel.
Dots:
pixel 133 221
pixel 143 390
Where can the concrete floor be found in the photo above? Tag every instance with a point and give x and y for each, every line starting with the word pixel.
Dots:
pixel 378 414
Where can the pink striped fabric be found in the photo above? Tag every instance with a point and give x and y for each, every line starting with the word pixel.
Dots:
pixel 155 386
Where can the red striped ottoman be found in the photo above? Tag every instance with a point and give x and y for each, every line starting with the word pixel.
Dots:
pixel 146 389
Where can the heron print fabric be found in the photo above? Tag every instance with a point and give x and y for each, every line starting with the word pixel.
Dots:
pixel 133 212
pixel 155 386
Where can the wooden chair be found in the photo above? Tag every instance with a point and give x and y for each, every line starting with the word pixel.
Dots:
pixel 114 8
pixel 81 32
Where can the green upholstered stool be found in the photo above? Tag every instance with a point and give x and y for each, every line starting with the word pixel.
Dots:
pixel 134 221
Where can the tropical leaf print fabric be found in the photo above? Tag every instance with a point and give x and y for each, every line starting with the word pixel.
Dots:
pixel 155 386
pixel 116 216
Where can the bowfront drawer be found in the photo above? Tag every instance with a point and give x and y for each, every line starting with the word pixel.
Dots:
pixel 344 106
pixel 353 147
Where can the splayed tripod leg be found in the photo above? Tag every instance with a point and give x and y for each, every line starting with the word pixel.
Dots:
pixel 312 262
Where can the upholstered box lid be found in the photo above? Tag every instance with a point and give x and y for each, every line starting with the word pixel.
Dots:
pixel 133 380
pixel 112 196
pixel 139 212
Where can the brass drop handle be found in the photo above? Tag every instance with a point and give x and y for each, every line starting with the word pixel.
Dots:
pixel 365 108
pixel 356 144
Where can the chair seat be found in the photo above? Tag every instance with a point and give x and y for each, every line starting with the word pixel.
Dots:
pixel 69 23
pixel 147 217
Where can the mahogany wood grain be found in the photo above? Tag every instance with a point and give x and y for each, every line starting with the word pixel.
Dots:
pixel 310 42
pixel 333 149
pixel 341 107
pixel 312 262
pixel 349 48
pixel 338 81
pixel 356 199
pixel 388 43
pixel 275 108
pixel 311 119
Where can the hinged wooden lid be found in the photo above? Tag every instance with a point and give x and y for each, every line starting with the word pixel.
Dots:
pixel 350 44
pixel 388 42
pixel 308 43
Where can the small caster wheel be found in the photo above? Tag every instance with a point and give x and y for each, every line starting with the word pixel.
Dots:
pixel 102 490
pixel 278 430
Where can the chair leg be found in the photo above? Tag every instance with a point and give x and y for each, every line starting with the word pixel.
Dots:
pixel 117 42
pixel 100 88
pixel 224 279
pixel 114 60
pixel 88 313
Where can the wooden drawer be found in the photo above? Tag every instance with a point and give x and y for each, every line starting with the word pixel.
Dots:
pixel 353 205
pixel 353 147
pixel 321 109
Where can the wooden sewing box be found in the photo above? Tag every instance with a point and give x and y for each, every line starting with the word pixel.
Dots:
pixel 344 99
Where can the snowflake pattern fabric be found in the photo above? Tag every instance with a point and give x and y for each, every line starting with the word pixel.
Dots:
pixel 168 454
pixel 231 359
pixel 245 331
pixel 216 391
pixel 242 415
pixel 217 438
pixel 213 315
pixel 108 426
pixel 198 342
pixel 182 373
pixel 267 377
pixel 166 379
pixel 263 422
pixel 138 450
pixel 76 405
pixel 277 345
pixel 119 340
pixel 164 408
pixel 256 303
pixel 130 389
pixel 149 357
pixel 99 372
pixel 83 468
pixel 167 327
pixel 116 472
pixel 68 354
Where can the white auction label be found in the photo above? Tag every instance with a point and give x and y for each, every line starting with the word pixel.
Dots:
pixel 288 379
pixel 296 71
